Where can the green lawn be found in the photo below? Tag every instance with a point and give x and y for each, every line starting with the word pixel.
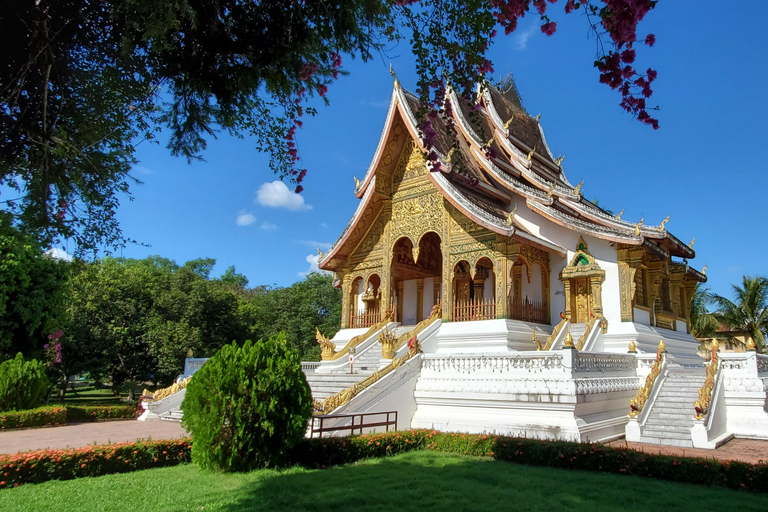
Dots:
pixel 91 396
pixel 416 481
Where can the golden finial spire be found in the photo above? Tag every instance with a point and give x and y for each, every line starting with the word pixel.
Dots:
pixel 392 72
pixel 662 346
pixel 632 346
pixel 538 117
pixel 560 160
pixel 693 241
pixel 664 222
pixel 618 217
pixel 357 182
pixel 530 155
pixel 511 216
pixel 319 252
pixel 509 121
pixel 750 344
pixel 577 190
pixel 704 270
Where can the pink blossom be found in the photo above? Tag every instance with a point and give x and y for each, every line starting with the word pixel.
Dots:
pixel 650 39
pixel 322 89
pixel 299 189
pixel 549 27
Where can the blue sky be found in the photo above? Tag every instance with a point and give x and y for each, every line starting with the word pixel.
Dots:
pixel 705 166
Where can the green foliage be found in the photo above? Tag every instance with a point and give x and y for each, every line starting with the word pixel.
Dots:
pixel 23 384
pixel 82 413
pixel 703 323
pixel 30 291
pixel 247 406
pixel 297 310
pixel 748 312
pixel 44 465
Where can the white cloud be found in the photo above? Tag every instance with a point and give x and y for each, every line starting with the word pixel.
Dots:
pixel 313 260
pixel 268 226
pixel 245 219
pixel 521 38
pixel 142 170
pixel 276 194
pixel 58 254
pixel 323 225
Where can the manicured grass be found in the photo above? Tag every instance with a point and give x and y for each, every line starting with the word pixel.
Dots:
pixel 416 481
pixel 91 396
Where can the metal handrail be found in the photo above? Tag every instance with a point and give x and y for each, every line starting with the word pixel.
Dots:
pixel 352 427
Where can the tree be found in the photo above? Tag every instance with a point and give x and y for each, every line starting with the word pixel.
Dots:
pixel 703 323
pixel 31 286
pixel 748 311
pixel 96 77
pixel 297 310
pixel 247 406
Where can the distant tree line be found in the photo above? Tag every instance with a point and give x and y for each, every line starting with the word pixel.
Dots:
pixel 119 320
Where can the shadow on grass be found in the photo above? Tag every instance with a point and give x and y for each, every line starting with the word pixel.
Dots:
pixel 422 481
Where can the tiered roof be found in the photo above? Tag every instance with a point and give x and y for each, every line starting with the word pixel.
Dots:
pixel 485 176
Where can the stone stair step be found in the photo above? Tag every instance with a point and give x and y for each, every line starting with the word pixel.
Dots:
pixel 683 443
pixel 665 434
pixel 668 426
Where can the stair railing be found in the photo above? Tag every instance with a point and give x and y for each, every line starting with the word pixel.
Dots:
pixel 585 335
pixel 701 406
pixel 637 403
pixel 555 334
pixel 166 392
pixel 328 348
pixel 333 402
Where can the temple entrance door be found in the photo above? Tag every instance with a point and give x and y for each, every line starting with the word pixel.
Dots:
pixel 416 273
pixel 581 299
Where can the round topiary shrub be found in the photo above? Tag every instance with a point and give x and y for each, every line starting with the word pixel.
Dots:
pixel 247 406
pixel 23 384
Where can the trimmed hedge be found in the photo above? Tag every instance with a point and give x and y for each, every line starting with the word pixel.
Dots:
pixel 44 465
pixel 321 453
pixel 60 414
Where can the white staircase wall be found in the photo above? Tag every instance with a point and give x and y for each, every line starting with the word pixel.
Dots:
pixel 489 336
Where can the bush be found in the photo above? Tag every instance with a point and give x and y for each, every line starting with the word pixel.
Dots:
pixel 44 465
pixel 247 406
pixel 23 384
pixel 40 417
pixel 100 412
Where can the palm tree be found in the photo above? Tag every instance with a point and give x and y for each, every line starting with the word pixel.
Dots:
pixel 749 311
pixel 703 323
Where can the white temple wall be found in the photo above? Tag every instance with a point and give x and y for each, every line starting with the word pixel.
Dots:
pixel 428 300
pixel 358 296
pixel 409 302
pixel 532 290
pixel 556 290
pixel 642 316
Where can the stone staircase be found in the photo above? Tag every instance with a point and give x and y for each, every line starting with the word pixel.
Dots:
pixel 324 385
pixel 577 331
pixel 671 417
pixel 173 415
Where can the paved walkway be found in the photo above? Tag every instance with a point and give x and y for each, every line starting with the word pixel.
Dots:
pixel 743 450
pixel 83 434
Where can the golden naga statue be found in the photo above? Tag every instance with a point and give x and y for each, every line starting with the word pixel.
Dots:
pixel 388 340
pixel 701 406
pixel 327 348
pixel 539 346
pixel 511 216
pixel 637 403
pixel 166 392
pixel 663 223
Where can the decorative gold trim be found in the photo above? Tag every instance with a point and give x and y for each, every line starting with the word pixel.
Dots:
pixel 361 337
pixel 166 392
pixel 705 393
pixel 333 402
pixel 539 348
pixel 568 343
pixel 552 337
pixel 587 330
pixel 327 347
pixel 637 403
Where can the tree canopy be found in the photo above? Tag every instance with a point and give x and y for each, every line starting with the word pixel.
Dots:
pixel 85 81
pixel 748 311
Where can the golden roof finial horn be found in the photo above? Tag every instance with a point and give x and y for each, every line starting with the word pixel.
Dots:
pixel 530 155
pixel 704 270
pixel 690 245
pixel 509 121
pixel 577 190
pixel 637 226
pixel 319 252
pixel 511 216
pixel 538 117
pixel 392 72
pixel 449 155
pixel 357 182
pixel 618 217
pixel 663 223
pixel 559 160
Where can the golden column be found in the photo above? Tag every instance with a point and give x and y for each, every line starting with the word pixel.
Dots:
pixel 345 306
pixel 419 300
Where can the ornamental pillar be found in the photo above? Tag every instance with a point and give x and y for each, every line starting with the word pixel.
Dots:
pixel 419 300
pixel 567 292
pixel 597 295
pixel 345 306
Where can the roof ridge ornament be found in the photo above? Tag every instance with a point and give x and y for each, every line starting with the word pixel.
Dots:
pixel 530 155
pixel 538 117
pixel 577 190
pixel 618 217
pixel 357 182
pixel 704 270
pixel 392 72
pixel 637 226
pixel 511 217
pixel 559 160
pixel 319 252
pixel 690 244
pixel 551 190
pixel 509 121
pixel 663 223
